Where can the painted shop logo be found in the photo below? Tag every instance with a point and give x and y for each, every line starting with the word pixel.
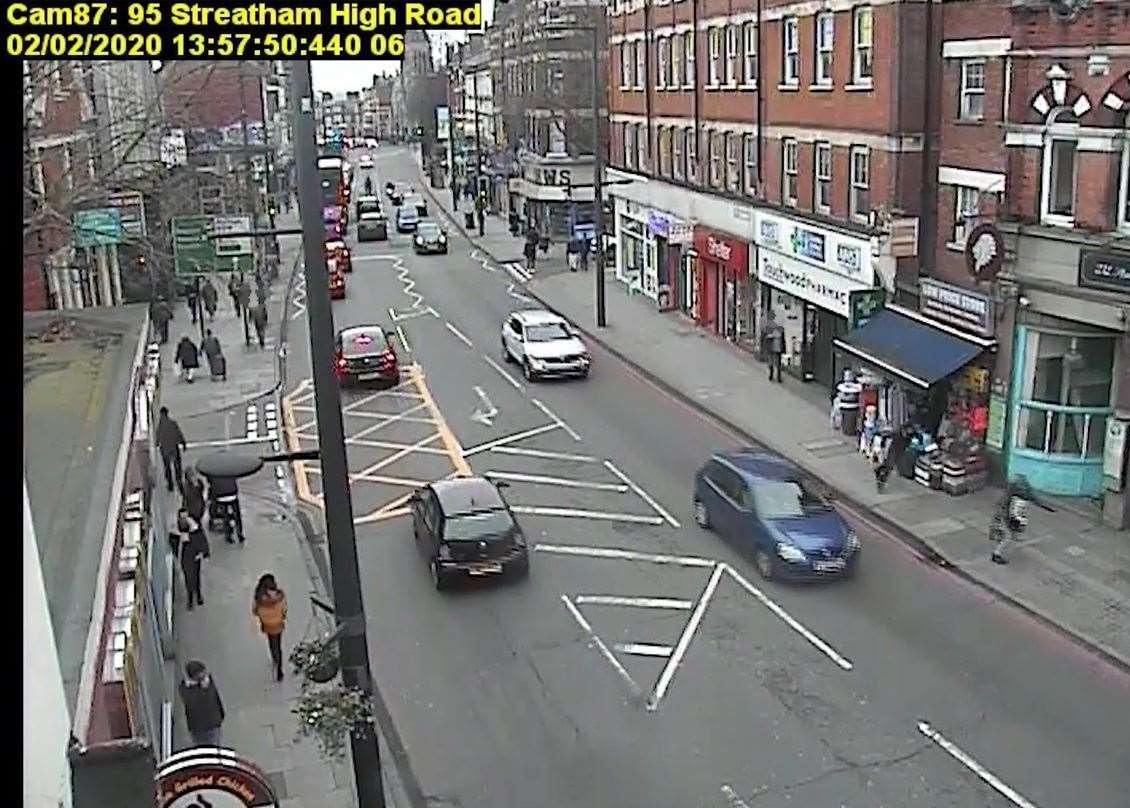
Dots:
pixel 718 249
pixel 770 232
pixel 808 244
pixel 849 258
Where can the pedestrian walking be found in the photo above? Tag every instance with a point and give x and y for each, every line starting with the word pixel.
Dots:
pixel 161 315
pixel 170 441
pixel 188 357
pixel 573 253
pixel 269 606
pixel 192 495
pixel 586 248
pixel 210 347
pixel 233 291
pixel 192 298
pixel 774 339
pixel 209 295
pixel 192 549
pixel 243 292
pixel 1011 517
pixel 203 707
pixel 259 320
pixel 531 253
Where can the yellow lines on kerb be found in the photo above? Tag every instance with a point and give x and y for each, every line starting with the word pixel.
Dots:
pixel 303 392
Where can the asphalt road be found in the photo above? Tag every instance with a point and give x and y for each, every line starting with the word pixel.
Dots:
pixel 905 686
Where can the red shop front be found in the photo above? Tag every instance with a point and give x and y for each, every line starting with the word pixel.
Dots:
pixel 721 281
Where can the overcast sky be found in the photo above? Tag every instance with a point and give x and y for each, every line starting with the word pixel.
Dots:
pixel 341 76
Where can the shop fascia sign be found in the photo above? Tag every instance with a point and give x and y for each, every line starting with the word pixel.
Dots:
pixel 963 308
pixel 729 252
pixel 214 777
pixel 820 287
pixel 834 252
pixel 674 230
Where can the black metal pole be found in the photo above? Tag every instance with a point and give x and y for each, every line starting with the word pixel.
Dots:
pixel 198 307
pixel 350 610
pixel 598 174
pixel 478 159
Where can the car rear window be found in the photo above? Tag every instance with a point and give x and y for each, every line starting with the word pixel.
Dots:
pixel 478 526
pixel 360 343
pixel 375 216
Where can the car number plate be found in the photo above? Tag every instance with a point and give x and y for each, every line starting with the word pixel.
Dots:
pixel 828 566
pixel 484 568
pixel 366 376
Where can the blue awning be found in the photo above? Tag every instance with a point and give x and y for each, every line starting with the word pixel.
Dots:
pixel 907 345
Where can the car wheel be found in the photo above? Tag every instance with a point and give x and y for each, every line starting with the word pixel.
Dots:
pixel 439 579
pixel 528 370
pixel 701 516
pixel 520 569
pixel 506 357
pixel 766 567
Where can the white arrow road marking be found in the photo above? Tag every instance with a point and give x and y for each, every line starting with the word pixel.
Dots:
pixel 487 412
pixel 518 295
pixel 970 763
pixel 458 334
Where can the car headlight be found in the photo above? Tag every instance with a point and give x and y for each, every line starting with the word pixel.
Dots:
pixel 442 238
pixel 790 553
pixel 419 240
pixel 536 363
pixel 586 358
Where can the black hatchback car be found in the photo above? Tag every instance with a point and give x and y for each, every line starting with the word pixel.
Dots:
pixel 364 353
pixel 465 529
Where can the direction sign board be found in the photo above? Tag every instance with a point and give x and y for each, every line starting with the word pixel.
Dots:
pixel 192 249
pixel 227 247
pixel 131 205
pixel 98 227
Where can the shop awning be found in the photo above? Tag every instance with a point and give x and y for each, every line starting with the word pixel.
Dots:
pixel 909 346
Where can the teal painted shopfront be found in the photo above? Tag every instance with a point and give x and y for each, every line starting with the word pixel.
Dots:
pixel 1061 398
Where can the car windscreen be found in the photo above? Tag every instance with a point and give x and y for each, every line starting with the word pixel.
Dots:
pixel 427 229
pixel 785 499
pixel 368 207
pixel 478 526
pixel 363 343
pixel 547 332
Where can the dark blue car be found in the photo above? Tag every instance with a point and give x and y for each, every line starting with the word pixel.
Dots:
pixel 758 502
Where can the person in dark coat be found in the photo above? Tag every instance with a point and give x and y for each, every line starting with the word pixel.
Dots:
pixel 193 495
pixel 243 292
pixel 586 248
pixel 233 290
pixel 211 345
pixel 192 299
pixel 188 358
pixel 161 315
pixel 203 707
pixel 170 441
pixel 774 337
pixel 193 549
pixel 531 253
pixel 259 320
pixel 210 296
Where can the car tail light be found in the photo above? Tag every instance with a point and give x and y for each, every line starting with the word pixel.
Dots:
pixel 387 356
pixel 444 553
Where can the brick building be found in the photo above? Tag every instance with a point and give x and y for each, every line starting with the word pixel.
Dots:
pixel 1033 123
pixel 778 158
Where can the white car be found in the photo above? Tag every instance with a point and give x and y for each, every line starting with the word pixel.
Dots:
pixel 544 345
pixel 365 162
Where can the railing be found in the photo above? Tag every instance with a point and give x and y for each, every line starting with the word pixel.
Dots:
pixel 1058 429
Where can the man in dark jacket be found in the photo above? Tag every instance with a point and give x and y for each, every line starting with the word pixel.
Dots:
pixel 161 315
pixel 259 320
pixel 188 358
pixel 209 294
pixel 243 292
pixel 233 290
pixel 192 298
pixel 203 708
pixel 192 551
pixel 170 441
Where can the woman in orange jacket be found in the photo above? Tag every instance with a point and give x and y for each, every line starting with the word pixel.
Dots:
pixel 269 606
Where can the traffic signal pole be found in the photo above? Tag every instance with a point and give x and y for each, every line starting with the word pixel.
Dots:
pixel 348 605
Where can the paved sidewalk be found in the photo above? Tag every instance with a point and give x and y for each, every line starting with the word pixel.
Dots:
pixel 223 633
pixel 1070 571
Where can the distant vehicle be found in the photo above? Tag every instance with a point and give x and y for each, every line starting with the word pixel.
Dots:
pixel 430 238
pixel 335 249
pixel 371 143
pixel 465 529
pixel 406 220
pixel 417 202
pixel 372 226
pixel 365 161
pixel 759 503
pixel 544 345
pixel 365 353
pixel 337 281
pixel 367 204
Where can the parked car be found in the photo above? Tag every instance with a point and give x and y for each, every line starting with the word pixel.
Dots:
pixel 406 220
pixel 336 249
pixel 464 528
pixel 365 161
pixel 367 204
pixel 418 202
pixel 372 227
pixel 544 345
pixel 430 238
pixel 365 353
pixel 337 281
pixel 760 504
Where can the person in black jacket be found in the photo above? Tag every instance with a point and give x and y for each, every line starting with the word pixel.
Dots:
pixel 170 440
pixel 209 295
pixel 193 495
pixel 161 315
pixel 192 551
pixel 203 707
pixel 188 357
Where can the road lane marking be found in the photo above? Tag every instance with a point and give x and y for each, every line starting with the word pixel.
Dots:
pixel 514 450
pixel 455 452
pixel 970 763
pixel 553 417
pixel 828 650
pixel 388 444
pixel 643 649
pixel 518 295
pixel 562 481
pixel 685 639
pixel 578 513
pixel 642 603
pixel 624 555
pixel 516 272
pixel 403 339
pixel 529 433
pixel 646 497
pixel 225 442
pixel 378 516
pixel 733 798
pixel 505 374
pixel 601 647
pixel 459 334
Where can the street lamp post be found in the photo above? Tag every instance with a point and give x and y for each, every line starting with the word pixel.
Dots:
pixel 348 603
pixel 478 159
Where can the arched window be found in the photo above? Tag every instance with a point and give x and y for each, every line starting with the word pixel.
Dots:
pixel 1057 191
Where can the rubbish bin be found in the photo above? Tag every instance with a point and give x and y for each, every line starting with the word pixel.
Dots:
pixel 469 219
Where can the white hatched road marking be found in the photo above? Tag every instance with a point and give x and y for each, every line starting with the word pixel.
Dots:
pixel 643 649
pixel 483 260
pixel 299 298
pixel 555 418
pixel 252 422
pixel 459 335
pixel 646 497
pixel 529 433
pixel 505 374
pixel 514 450
pixel 733 798
pixel 684 643
pixel 601 647
pixel 538 510
pixel 517 271
pixel 624 555
pixel 642 603
pixel 562 481
pixel 970 763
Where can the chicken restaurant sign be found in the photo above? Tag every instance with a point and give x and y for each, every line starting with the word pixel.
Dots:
pixel 213 777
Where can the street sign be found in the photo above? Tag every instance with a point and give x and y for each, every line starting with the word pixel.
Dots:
pixel 174 148
pixel 227 247
pixel 131 206
pixel 98 227
pixel 192 249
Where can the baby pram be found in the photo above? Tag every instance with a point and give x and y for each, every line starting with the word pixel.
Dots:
pixel 218 367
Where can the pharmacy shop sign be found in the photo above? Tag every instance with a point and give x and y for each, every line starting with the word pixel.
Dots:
pixel 831 251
